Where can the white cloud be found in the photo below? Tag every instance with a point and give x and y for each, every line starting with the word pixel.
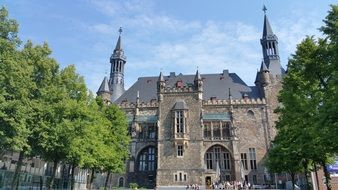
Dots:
pixel 158 41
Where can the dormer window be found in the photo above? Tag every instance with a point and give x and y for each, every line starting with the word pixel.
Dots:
pixel 179 84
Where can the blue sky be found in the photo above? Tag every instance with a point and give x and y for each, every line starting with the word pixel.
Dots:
pixel 173 36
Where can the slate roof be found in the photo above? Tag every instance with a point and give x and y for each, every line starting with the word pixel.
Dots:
pixel 104 87
pixel 214 85
pixel 267 31
pixel 180 105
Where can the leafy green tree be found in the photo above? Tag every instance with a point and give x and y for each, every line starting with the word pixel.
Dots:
pixel 22 74
pixel 63 109
pixel 118 139
pixel 107 143
pixel 309 100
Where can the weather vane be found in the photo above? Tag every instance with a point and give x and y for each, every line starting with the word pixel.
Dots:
pixel 120 30
pixel 264 9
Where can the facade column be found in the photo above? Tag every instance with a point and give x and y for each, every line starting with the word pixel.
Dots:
pixel 220 128
pixel 212 130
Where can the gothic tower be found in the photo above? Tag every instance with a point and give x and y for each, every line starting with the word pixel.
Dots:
pixel 116 80
pixel 269 77
pixel 269 44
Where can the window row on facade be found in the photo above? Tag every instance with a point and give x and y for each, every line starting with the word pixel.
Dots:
pixel 216 130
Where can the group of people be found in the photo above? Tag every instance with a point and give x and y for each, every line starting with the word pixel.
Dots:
pixel 236 185
pixel 193 187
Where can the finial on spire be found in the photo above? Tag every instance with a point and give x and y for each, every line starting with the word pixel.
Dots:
pixel 120 30
pixel 264 9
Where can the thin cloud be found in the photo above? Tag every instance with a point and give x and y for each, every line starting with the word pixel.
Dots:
pixel 157 41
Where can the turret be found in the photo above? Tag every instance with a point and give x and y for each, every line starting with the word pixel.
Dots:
pixel 265 74
pixel 160 86
pixel 198 83
pixel 117 60
pixel 104 91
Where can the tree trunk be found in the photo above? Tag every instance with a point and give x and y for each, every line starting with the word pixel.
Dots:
pixel 72 180
pixel 317 181
pixel 51 182
pixel 327 176
pixel 16 177
pixel 305 164
pixel 293 180
pixel 107 179
pixel 92 176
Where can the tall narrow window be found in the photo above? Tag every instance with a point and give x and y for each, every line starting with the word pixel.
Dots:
pixel 180 150
pixel 216 130
pixel 142 131
pixel 226 160
pixel 244 161
pixel 151 159
pixel 151 131
pixel 252 155
pixel 254 179
pixel 179 121
pixel 226 130
pixel 209 160
pixel 207 130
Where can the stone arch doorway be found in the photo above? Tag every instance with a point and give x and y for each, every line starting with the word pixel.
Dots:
pixel 121 182
pixel 219 163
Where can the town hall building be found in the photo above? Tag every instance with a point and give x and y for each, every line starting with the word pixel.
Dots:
pixel 199 128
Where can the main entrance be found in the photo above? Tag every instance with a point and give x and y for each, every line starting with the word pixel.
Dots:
pixel 208 184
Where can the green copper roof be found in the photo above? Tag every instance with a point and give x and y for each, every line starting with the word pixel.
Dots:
pixel 216 116
pixel 146 118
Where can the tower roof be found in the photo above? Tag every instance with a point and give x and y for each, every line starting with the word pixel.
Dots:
pixel 267 31
pixel 197 76
pixel 161 78
pixel 118 51
pixel 119 43
pixel 264 67
pixel 104 87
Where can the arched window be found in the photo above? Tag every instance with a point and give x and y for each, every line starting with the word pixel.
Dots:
pixel 217 155
pixel 147 160
pixel 121 182
pixel 251 114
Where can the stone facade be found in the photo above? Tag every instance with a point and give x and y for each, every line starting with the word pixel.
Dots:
pixel 199 129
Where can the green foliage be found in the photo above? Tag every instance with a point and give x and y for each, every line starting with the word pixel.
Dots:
pixel 308 118
pixel 8 28
pixel 133 185
pixel 47 111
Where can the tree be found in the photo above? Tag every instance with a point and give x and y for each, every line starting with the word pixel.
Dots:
pixel 309 100
pixel 118 139
pixel 64 103
pixel 22 74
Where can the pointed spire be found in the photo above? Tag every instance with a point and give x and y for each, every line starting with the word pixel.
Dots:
pixel 264 9
pixel 104 87
pixel 198 76
pixel 264 68
pixel 161 78
pixel 267 31
pixel 119 43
